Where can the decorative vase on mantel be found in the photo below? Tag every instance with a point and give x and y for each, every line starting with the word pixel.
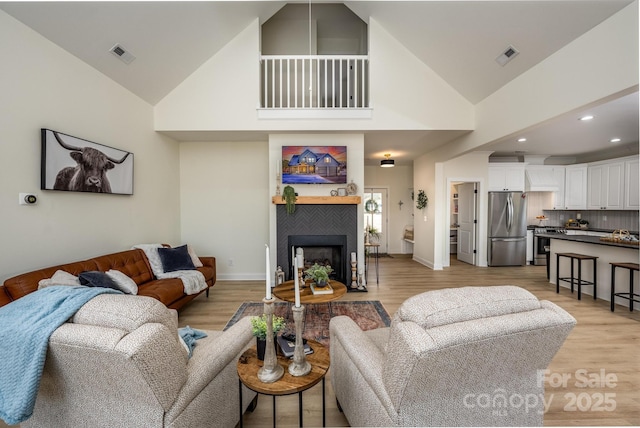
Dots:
pixel 261 345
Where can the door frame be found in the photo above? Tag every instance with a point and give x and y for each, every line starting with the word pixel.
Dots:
pixel 385 212
pixel 474 204
pixel 479 217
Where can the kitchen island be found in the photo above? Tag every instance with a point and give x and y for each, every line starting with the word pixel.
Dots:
pixel 606 251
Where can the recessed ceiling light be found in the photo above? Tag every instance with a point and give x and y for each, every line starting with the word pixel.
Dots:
pixel 521 140
pixel 615 140
pixel 588 117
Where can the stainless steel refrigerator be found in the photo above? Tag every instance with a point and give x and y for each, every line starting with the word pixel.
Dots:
pixel 507 229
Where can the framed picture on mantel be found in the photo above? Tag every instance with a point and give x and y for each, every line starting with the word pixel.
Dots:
pixel 314 164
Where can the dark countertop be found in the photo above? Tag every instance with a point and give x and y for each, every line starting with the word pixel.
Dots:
pixel 589 229
pixel 585 239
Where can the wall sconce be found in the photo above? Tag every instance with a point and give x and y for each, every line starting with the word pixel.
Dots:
pixel 387 163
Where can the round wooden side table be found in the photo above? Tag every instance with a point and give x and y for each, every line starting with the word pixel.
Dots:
pixel 249 364
pixel 286 292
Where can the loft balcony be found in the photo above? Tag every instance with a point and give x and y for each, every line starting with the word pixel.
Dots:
pixel 314 86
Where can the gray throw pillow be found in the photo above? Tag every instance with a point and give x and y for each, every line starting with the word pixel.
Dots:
pixel 94 278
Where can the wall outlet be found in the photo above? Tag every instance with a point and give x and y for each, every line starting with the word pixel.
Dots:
pixel 425 218
pixel 604 218
pixel 230 262
pixel 561 217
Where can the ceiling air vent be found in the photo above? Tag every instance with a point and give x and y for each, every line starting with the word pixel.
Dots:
pixel 121 52
pixel 507 55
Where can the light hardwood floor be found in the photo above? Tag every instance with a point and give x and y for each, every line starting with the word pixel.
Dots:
pixel 601 343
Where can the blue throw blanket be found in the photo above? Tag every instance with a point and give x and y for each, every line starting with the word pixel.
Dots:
pixel 25 327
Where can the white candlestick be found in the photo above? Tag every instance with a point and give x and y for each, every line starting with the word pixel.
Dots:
pixel 353 257
pixel 268 275
pixel 296 282
pixel 300 260
pixel 293 256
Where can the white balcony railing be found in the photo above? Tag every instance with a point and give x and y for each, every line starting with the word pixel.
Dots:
pixel 316 81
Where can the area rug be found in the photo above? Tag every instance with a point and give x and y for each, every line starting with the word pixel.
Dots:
pixel 368 314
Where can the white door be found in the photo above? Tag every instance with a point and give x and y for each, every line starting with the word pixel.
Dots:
pixel 375 215
pixel 467 223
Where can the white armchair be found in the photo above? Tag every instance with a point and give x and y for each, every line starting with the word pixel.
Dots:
pixel 119 363
pixel 467 356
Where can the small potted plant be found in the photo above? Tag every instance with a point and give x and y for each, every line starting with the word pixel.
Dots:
pixel 319 274
pixel 259 330
pixel 289 197
pixel 372 232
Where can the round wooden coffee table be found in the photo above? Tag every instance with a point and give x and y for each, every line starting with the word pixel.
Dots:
pixel 249 364
pixel 286 292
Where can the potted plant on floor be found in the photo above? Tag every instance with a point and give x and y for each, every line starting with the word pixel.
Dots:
pixel 319 274
pixel 259 330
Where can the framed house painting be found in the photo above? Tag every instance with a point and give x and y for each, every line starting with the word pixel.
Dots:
pixel 314 164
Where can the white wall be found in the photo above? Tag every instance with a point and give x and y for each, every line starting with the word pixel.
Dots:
pixel 43 86
pixel 223 94
pixel 406 93
pixel 399 181
pixel 424 225
pixel 225 203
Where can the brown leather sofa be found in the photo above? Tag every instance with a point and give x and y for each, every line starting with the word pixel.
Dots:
pixel 133 263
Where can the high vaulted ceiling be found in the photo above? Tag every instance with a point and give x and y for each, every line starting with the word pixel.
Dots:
pixel 459 40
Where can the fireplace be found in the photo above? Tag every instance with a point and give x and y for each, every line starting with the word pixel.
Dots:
pixel 321 249
pixel 324 231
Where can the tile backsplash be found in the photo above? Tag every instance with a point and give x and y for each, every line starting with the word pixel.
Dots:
pixel 629 220
pixel 537 202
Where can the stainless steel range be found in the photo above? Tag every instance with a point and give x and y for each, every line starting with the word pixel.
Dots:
pixel 541 243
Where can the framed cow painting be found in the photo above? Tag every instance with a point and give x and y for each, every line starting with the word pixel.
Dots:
pixel 77 165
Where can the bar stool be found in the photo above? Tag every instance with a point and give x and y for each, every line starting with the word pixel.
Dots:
pixel 572 279
pixel 629 296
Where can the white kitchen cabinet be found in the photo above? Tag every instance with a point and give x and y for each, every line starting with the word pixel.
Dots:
pixel 575 189
pixel 631 185
pixel 506 177
pixel 605 185
pixel 559 178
